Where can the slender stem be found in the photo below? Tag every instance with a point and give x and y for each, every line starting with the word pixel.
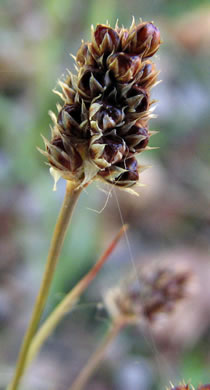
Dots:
pixel 68 302
pixel 96 358
pixel 64 218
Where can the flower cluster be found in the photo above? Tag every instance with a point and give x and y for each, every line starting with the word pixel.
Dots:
pixel 103 122
pixel 156 290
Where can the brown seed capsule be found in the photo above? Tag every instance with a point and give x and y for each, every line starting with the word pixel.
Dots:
pixel 137 138
pixel 137 99
pixel 105 40
pixel 124 66
pixel 90 82
pixel 125 173
pixel 63 156
pixel 144 40
pixel 123 34
pixel 204 387
pixel 106 115
pixel 147 75
pixel 84 56
pixel 108 150
pixel 132 174
pixel 69 119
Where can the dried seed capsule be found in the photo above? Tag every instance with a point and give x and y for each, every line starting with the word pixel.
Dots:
pixel 84 56
pixel 105 40
pixel 69 119
pixel 144 40
pixel 147 75
pixel 63 156
pixel 124 66
pixel 137 99
pixel 131 175
pixel 137 138
pixel 106 116
pixel 123 174
pixel 90 82
pixel 108 150
pixel 123 34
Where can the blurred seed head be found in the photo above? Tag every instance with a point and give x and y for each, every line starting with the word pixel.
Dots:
pixel 103 122
pixel 184 386
pixel 155 290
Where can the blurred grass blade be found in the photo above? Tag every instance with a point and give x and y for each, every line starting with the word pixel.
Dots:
pixel 69 301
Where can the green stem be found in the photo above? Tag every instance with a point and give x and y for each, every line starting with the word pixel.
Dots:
pixel 96 358
pixel 68 302
pixel 64 218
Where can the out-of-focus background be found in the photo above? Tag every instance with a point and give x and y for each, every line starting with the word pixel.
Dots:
pixel 169 221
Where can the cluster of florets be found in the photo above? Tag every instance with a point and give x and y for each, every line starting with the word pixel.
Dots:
pixel 156 290
pixel 103 122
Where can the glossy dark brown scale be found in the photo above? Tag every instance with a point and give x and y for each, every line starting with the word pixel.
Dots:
pixel 136 132
pixel 148 75
pixel 131 175
pixel 84 82
pixel 115 114
pixel 100 33
pixel 71 124
pixel 84 56
pixel 75 160
pixel 121 63
pixel 57 141
pixel 72 109
pixel 147 36
pixel 144 102
pixel 113 146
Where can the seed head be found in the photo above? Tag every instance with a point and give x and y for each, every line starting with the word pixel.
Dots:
pixel 181 386
pixel 184 386
pixel 158 290
pixel 103 123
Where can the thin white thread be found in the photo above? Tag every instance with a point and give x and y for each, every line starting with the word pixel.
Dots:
pixel 158 357
pixel 126 236
pixel 108 193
